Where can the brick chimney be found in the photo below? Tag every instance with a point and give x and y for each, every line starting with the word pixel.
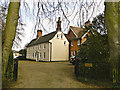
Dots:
pixel 58 24
pixel 39 34
pixel 87 24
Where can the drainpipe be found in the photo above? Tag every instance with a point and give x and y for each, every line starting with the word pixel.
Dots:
pixel 50 51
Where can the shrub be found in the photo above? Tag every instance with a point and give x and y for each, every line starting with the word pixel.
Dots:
pixel 96 50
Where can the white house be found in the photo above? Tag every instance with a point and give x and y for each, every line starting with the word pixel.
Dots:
pixel 51 47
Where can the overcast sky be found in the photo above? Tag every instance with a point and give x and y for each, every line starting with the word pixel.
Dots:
pixel 29 18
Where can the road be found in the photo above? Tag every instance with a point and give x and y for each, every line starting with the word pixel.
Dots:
pixel 33 74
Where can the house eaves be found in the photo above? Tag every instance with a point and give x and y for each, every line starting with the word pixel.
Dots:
pixel 73 32
pixel 42 39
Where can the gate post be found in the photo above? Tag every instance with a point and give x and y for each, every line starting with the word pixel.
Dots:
pixel 15 72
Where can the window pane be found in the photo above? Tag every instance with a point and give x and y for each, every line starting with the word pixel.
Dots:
pixel 44 55
pixel 61 36
pixel 64 42
pixel 71 43
pixel 78 42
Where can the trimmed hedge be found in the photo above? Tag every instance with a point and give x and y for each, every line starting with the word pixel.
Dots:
pixel 96 50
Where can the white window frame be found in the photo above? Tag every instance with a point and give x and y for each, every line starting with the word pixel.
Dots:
pixel 75 53
pixel 40 55
pixel 44 46
pixel 44 54
pixel 57 36
pixel 61 36
pixel 78 42
pixel 71 43
pixel 64 42
pixel 40 47
pixel 72 53
pixel 33 55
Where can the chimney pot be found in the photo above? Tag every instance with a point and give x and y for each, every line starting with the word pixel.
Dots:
pixel 39 33
pixel 87 24
pixel 59 24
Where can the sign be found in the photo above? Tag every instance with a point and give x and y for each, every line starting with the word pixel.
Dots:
pixel 88 64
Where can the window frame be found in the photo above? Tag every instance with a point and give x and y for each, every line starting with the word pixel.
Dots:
pixel 44 46
pixel 61 36
pixel 64 42
pixel 44 54
pixel 33 55
pixel 40 55
pixel 40 46
pixel 78 42
pixel 57 36
pixel 71 43
pixel 72 53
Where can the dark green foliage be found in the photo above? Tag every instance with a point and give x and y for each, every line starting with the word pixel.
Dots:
pixel 96 47
pixel 96 50
pixel 23 52
pixel 98 24
pixel 9 72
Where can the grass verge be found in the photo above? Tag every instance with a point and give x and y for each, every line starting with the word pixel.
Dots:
pixel 104 84
pixel 8 83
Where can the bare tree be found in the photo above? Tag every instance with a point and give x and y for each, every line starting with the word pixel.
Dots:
pixel 111 20
pixel 9 34
pixel 80 10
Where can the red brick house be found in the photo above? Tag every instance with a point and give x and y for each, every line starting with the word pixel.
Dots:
pixel 76 36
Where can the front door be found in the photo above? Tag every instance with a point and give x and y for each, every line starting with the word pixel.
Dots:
pixel 37 56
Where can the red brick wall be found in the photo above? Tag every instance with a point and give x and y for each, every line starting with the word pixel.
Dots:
pixel 74 48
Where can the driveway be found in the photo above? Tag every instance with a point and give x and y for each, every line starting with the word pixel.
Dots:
pixel 33 74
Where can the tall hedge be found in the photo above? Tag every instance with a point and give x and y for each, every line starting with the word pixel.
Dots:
pixel 96 50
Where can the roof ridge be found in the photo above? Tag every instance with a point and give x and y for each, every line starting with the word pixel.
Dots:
pixel 75 27
pixel 42 39
pixel 48 33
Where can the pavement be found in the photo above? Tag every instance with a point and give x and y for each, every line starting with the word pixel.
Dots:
pixel 33 74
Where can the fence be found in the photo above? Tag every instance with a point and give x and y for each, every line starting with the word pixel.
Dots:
pixel 12 68
pixel 15 72
pixel 94 70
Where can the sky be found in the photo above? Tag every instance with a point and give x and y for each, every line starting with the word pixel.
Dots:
pixel 28 16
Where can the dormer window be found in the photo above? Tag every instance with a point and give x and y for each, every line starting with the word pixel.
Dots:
pixel 78 42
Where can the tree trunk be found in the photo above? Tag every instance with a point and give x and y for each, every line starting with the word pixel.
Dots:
pixel 119 43
pixel 111 20
pixel 10 30
pixel 0 59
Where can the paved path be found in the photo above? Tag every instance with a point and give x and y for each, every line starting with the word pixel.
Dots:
pixel 33 74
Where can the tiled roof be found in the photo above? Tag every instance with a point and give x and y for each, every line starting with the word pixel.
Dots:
pixel 42 39
pixel 67 36
pixel 77 30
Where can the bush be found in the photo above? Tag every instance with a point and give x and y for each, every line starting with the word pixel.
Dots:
pixel 96 50
pixel 23 53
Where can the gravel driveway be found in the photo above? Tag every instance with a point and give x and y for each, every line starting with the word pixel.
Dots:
pixel 33 74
